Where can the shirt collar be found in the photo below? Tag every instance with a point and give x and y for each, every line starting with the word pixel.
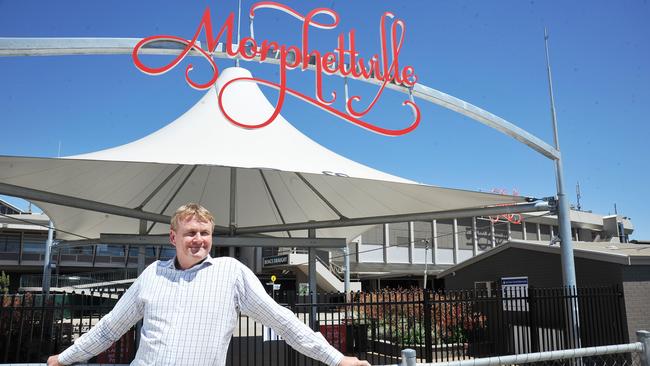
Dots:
pixel 208 261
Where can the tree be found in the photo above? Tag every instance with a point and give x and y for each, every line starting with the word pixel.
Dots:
pixel 4 283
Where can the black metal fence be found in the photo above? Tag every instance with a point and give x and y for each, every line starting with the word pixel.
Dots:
pixel 374 326
pixel 34 326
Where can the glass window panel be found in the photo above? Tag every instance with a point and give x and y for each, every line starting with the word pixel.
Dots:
pixel 399 234
pixel 34 243
pixel 9 242
pixel 373 236
pixel 516 231
pixel 465 234
pixel 422 231
pixel 133 251
pixel 167 253
pixel 545 232
pixel 445 230
pixel 8 210
pixel 500 232
pixel 150 252
pixel 87 250
pixel 484 234
pixel 531 231
pixel 110 250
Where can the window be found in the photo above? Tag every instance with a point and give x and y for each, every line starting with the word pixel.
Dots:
pixel 9 242
pixel 8 210
pixel 531 231
pixel 399 234
pixel 374 236
pixel 168 253
pixel 516 231
pixel 500 232
pixel 150 251
pixel 465 232
pixel 483 232
pixel 445 234
pixel 86 250
pixel 422 231
pixel 484 288
pixel 596 235
pixel 545 232
pixel 34 243
pixel 110 250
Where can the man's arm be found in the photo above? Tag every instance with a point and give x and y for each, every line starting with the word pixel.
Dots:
pixel 109 329
pixel 254 300
pixel 54 361
pixel 352 361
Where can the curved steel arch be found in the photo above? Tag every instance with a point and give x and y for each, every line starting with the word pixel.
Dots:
pixel 107 46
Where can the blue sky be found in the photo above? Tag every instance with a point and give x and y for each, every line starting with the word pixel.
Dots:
pixel 488 53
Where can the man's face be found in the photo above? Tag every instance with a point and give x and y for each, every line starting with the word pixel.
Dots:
pixel 193 240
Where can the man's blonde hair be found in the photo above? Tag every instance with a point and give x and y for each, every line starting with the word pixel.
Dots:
pixel 189 210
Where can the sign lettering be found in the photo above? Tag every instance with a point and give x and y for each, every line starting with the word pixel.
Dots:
pixel 275 261
pixel 344 59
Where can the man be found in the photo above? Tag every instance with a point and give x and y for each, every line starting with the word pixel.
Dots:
pixel 190 306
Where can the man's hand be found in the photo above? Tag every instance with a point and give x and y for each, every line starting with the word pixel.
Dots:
pixel 350 361
pixel 54 361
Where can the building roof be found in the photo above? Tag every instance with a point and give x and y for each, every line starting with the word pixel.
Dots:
pixel 10 206
pixel 619 253
pixel 34 221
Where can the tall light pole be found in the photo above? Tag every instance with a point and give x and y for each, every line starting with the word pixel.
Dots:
pixel 564 220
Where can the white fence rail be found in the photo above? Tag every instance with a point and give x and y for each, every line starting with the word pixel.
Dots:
pixel 640 349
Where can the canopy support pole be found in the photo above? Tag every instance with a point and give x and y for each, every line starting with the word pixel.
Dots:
pixel 142 249
pixel 313 324
pixel 47 264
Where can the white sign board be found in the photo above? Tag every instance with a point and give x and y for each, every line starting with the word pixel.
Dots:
pixel 515 288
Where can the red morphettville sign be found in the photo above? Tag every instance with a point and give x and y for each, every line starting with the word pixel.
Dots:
pixel 343 60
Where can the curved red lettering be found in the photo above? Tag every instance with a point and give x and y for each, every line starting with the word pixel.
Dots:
pixel 283 89
pixel 384 68
pixel 189 45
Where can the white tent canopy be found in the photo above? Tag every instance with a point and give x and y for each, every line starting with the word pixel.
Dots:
pixel 261 177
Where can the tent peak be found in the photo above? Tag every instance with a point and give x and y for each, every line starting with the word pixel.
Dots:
pixel 278 146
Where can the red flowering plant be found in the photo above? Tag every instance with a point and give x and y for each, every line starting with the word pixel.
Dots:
pixel 398 316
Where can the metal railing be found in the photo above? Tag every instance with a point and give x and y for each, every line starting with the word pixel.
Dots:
pixel 456 325
pixel 33 326
pixel 632 354
pixel 80 279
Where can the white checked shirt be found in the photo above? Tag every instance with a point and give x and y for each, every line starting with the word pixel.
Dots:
pixel 189 316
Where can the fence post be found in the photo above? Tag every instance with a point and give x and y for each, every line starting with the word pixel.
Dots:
pixel 428 342
pixel 532 315
pixel 408 357
pixel 642 336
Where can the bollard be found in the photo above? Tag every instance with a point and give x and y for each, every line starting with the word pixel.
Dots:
pixel 408 357
pixel 643 336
